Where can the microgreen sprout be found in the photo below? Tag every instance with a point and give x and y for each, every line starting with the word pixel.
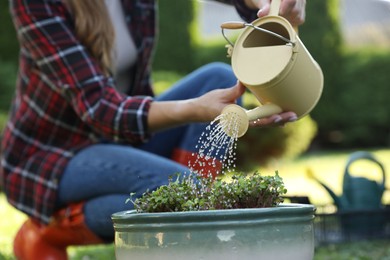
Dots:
pixel 195 193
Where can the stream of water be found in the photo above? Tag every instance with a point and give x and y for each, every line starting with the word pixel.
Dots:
pixel 216 151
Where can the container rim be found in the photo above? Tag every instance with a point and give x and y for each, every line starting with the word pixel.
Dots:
pixel 284 213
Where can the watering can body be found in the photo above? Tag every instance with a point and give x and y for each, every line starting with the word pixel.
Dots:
pixel 360 205
pixel 282 74
pixel 359 193
pixel 269 58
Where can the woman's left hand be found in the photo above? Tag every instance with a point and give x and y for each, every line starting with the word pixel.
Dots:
pixel 274 120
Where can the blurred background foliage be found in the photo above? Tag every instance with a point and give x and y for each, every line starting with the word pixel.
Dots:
pixel 352 113
pixel 8 58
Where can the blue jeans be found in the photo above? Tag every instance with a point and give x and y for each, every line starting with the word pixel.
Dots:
pixel 104 175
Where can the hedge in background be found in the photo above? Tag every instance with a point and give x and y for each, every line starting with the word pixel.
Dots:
pixel 322 37
pixel 8 72
pixel 363 118
pixel 9 46
pixel 262 146
pixel 175 49
pixel 352 112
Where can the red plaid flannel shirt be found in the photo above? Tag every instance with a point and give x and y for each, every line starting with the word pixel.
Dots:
pixel 63 101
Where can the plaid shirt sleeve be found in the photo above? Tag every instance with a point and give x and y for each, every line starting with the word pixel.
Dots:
pixel 47 36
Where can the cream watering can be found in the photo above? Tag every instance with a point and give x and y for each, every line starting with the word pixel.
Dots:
pixel 271 61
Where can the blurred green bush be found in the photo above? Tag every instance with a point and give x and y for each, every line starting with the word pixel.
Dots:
pixel 9 49
pixel 363 118
pixel 262 146
pixel 8 70
pixel 175 46
pixel 351 113
pixel 9 46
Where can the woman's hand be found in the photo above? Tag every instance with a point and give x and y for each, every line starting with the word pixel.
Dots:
pixel 167 114
pixel 274 120
pixel 292 10
pixel 211 104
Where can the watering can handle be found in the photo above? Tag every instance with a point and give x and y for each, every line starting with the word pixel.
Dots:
pixel 274 8
pixel 368 156
pixel 232 25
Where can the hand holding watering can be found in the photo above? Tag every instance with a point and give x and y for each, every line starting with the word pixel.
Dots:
pixel 271 61
pixel 292 10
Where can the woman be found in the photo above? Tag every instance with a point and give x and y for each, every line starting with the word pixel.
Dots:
pixel 79 137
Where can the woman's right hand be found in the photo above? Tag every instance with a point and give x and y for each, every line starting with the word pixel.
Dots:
pixel 167 114
pixel 211 104
pixel 292 10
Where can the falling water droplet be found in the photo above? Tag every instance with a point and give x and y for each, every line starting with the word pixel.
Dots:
pixel 214 144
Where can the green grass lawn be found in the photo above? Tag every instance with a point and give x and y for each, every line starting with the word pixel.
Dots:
pixel 362 250
pixel 326 166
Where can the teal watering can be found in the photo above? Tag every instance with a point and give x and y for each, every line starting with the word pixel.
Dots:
pixel 359 193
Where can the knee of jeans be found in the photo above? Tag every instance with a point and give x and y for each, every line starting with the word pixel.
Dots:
pixel 219 75
pixel 221 70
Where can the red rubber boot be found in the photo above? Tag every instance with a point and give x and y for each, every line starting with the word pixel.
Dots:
pixel 37 241
pixel 202 166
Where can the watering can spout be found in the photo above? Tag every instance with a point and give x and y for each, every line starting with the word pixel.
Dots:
pixel 338 201
pixel 235 119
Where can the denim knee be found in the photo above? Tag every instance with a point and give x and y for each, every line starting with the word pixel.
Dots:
pixel 220 72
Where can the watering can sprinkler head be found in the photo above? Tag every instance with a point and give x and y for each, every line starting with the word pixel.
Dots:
pixel 235 119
